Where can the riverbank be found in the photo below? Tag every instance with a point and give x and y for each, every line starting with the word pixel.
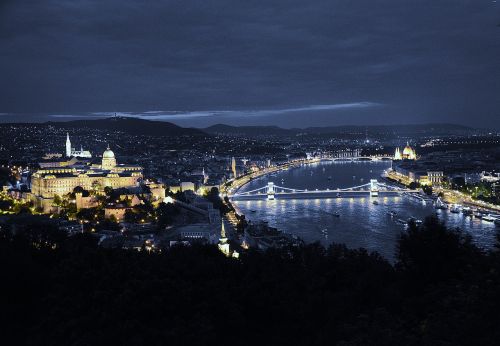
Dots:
pixel 362 222
pixel 456 197
pixel 449 196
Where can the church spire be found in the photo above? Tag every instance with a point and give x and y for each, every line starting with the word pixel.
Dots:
pixel 223 230
pixel 68 145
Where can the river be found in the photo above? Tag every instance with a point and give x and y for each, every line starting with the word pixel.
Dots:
pixel 361 223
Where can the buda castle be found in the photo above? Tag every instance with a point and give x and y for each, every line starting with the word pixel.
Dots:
pixel 61 177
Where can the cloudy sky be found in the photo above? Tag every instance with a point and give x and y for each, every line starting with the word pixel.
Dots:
pixel 282 62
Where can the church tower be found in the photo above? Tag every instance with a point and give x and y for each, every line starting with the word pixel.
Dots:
pixel 397 155
pixel 233 167
pixel 68 145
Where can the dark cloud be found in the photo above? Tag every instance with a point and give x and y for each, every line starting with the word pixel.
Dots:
pixel 422 60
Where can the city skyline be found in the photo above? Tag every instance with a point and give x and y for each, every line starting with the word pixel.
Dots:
pixel 282 172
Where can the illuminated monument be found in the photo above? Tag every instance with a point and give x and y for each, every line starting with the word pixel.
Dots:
pixel 408 153
pixel 397 155
pixel 108 160
pixel 233 168
pixel 71 152
pixel 48 182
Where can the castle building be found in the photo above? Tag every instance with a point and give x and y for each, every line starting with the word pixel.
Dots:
pixel 48 182
pixel 71 152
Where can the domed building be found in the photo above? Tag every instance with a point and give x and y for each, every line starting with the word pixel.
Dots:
pixel 408 153
pixel 52 180
pixel 108 160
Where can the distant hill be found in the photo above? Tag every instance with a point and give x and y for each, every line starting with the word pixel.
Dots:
pixel 133 126
pixel 247 130
pixel 379 129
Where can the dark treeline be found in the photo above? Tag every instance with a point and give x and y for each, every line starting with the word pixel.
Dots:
pixel 442 290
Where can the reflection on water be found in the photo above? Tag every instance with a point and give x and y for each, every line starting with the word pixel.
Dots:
pixel 361 223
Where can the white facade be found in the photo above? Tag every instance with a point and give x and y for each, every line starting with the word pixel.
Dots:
pixel 71 152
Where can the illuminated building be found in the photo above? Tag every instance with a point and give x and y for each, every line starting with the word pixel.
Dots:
pixel 108 160
pixel 397 155
pixel 48 182
pixel 408 153
pixel 435 178
pixel 71 152
pixel 223 244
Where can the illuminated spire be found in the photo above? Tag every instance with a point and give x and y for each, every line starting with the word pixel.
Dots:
pixel 223 244
pixel 397 154
pixel 223 230
pixel 233 167
pixel 68 145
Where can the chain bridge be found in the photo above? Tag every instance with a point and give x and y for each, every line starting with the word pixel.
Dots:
pixel 272 191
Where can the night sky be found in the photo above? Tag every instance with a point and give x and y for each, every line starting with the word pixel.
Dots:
pixel 288 63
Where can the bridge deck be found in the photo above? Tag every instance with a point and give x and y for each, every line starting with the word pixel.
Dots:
pixel 318 194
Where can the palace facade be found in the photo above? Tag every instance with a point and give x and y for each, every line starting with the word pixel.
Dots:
pixel 60 180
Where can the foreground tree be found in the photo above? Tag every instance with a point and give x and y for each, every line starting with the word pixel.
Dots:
pixel 442 290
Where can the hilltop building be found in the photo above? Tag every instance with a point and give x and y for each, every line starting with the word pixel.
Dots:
pixel 72 152
pixel 60 180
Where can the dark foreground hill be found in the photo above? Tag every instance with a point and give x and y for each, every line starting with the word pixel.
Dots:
pixel 442 290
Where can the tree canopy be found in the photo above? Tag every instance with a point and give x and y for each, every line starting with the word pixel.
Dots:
pixel 442 290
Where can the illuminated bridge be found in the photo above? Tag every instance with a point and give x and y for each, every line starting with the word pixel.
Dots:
pixel 272 191
pixel 356 158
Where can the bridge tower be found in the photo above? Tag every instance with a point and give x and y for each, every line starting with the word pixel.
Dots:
pixel 373 188
pixel 270 190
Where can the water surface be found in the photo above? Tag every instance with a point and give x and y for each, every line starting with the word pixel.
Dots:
pixel 361 223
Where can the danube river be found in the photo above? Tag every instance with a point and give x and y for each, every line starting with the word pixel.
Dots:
pixel 361 223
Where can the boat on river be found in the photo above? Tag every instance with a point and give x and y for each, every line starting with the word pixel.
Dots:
pixel 467 211
pixel 417 222
pixel 489 218
pixel 439 204
pixel 401 221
